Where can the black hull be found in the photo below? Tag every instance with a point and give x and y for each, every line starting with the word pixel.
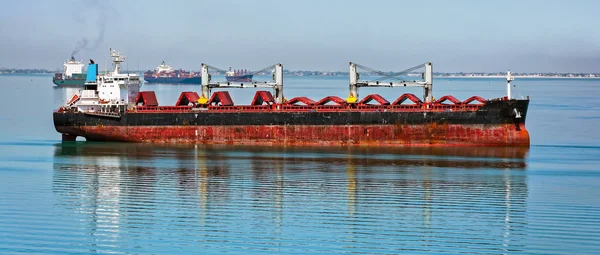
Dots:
pixel 493 113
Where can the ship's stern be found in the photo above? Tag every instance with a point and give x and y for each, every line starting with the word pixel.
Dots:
pixel 65 124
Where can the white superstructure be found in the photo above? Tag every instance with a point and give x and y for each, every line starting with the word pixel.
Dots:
pixel 164 68
pixel 110 93
pixel 72 66
pixel 230 73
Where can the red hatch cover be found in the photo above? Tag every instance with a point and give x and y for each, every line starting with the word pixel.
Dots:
pixel 147 98
pixel 263 97
pixel 375 97
pixel 408 96
pixel 186 98
pixel 335 99
pixel 473 99
pixel 448 98
pixel 305 100
pixel 221 97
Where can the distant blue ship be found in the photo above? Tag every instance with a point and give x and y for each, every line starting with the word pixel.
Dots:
pixel 165 74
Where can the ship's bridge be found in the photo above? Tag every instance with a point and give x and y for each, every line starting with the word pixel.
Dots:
pixel 118 88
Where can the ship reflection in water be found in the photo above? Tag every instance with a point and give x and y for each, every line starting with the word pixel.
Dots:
pixel 140 198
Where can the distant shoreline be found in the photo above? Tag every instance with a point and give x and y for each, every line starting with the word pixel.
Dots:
pixel 517 77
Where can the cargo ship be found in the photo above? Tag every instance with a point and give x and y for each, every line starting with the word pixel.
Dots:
pixel 238 75
pixel 130 115
pixel 165 74
pixel 72 74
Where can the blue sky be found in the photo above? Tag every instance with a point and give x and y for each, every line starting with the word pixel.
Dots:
pixel 524 36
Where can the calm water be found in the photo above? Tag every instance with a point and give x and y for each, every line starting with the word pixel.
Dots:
pixel 82 198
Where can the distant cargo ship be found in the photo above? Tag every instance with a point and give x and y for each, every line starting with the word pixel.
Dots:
pixel 238 75
pixel 164 73
pixel 72 74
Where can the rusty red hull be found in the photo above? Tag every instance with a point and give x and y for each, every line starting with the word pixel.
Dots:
pixel 348 135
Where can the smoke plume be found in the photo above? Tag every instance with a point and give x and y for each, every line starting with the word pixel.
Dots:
pixel 99 10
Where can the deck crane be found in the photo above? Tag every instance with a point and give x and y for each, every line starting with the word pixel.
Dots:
pixel 276 83
pixel 355 83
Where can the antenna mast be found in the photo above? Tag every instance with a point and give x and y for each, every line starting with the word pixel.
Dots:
pixel 509 78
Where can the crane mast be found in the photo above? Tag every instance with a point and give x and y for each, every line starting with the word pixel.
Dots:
pixel 276 84
pixel 426 83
